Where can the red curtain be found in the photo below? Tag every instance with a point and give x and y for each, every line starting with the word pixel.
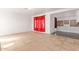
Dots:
pixel 39 23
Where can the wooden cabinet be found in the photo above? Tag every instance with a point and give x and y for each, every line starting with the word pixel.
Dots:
pixel 39 23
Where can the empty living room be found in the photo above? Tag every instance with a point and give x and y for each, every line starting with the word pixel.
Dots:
pixel 39 29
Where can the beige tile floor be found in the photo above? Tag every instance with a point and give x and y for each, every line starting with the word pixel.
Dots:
pixel 33 41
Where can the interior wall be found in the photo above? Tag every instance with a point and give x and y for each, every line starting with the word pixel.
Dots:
pixel 12 21
pixel 68 15
pixel 49 21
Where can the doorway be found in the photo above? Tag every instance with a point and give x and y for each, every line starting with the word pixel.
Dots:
pixel 55 22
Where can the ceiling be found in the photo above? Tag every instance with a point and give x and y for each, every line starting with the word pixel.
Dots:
pixel 32 11
pixel 36 11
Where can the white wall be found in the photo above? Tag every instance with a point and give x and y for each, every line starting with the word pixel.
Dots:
pixel 12 21
pixel 49 22
pixel 68 15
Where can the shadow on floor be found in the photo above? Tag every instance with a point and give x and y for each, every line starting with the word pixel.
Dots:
pixel 67 34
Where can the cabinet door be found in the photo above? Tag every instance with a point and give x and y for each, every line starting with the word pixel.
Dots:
pixel 39 24
pixel 42 24
pixel 35 23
